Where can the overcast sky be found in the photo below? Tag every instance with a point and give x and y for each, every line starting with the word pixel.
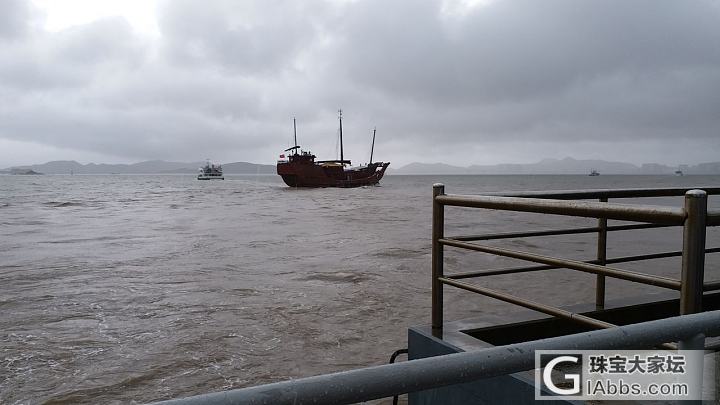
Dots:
pixel 455 81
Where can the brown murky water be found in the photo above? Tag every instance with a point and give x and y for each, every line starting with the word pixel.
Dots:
pixel 131 289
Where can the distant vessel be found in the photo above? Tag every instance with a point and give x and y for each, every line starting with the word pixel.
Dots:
pixel 593 172
pixel 24 172
pixel 299 168
pixel 678 172
pixel 211 172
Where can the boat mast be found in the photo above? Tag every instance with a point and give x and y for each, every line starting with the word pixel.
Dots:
pixel 342 158
pixel 295 136
pixel 372 148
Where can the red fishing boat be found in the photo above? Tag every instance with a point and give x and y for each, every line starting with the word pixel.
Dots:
pixel 300 169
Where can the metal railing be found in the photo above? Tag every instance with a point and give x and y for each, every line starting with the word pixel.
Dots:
pixel 693 217
pixel 349 387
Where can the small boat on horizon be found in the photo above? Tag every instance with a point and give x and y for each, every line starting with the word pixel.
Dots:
pixel 299 168
pixel 24 172
pixel 593 173
pixel 211 171
pixel 678 172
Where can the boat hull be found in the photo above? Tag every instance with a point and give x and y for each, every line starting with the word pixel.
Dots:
pixel 210 172
pixel 311 174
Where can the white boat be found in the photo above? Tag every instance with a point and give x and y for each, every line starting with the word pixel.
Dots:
pixel 594 173
pixel 211 171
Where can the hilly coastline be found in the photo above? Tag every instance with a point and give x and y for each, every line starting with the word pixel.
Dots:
pixel 559 166
pixel 546 166
pixel 148 167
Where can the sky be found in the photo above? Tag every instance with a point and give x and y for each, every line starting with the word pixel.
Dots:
pixel 456 81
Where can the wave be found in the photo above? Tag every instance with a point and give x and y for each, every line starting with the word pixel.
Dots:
pixel 60 204
pixel 93 239
pixel 117 382
pixel 399 253
pixel 339 277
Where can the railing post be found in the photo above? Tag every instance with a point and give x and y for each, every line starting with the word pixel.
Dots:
pixel 438 224
pixel 601 257
pixel 693 261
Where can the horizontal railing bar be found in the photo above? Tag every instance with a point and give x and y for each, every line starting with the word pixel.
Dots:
pixel 534 305
pixel 649 279
pixel 526 269
pixel 713 218
pixel 568 231
pixel 383 381
pixel 624 212
pixel 508 235
pixel 635 226
pixel 607 193
pixel 496 272
pixel 638 258
pixel 651 256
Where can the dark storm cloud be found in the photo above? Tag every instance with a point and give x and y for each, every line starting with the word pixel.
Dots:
pixel 515 50
pixel 640 65
pixel 505 81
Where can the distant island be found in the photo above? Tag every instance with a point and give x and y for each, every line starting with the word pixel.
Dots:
pixel 23 172
pixel 546 166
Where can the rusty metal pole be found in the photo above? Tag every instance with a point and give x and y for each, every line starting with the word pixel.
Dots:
pixel 693 261
pixel 601 259
pixel 438 225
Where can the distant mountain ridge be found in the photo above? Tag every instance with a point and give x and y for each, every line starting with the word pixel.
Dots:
pixel 147 167
pixel 559 166
pixel 545 166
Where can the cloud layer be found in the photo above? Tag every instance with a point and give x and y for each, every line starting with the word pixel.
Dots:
pixel 502 81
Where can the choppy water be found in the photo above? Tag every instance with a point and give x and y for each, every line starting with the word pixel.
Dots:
pixel 129 289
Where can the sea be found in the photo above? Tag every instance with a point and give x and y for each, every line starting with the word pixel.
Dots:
pixel 137 288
